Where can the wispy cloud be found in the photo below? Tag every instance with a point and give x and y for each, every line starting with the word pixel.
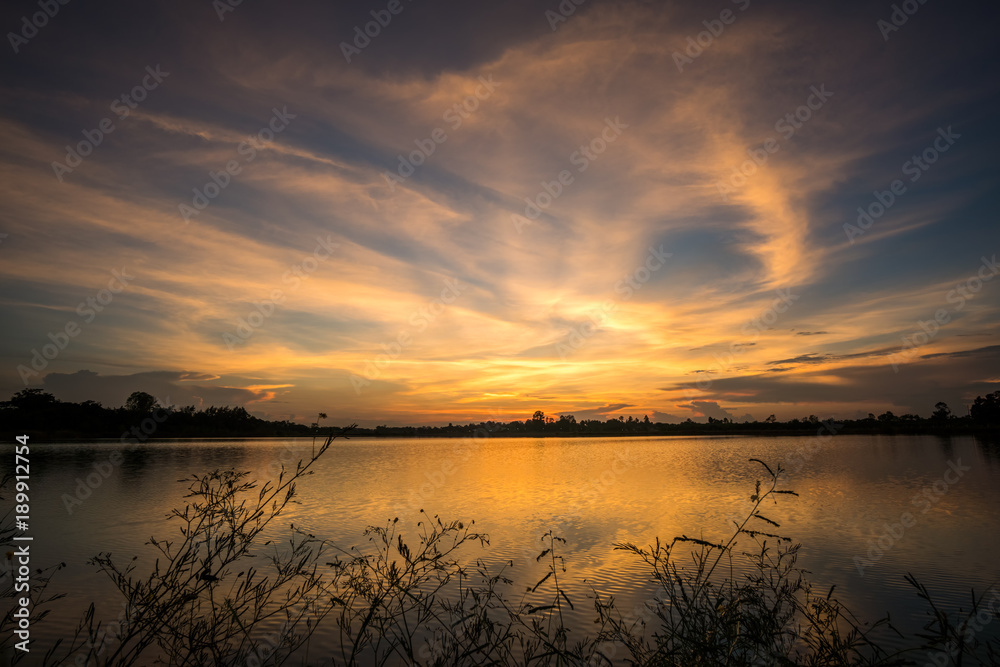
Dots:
pixel 528 289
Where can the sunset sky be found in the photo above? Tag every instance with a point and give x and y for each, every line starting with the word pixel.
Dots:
pixel 486 209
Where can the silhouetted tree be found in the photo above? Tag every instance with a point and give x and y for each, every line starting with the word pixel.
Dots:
pixel 941 411
pixel 986 410
pixel 140 403
pixel 32 399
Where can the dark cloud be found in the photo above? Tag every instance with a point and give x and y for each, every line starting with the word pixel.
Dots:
pixel 708 409
pixel 914 388
pixel 814 358
pixel 665 417
pixel 173 388
pixel 602 413
pixel 803 359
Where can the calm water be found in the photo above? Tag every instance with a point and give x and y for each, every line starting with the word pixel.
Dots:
pixel 593 492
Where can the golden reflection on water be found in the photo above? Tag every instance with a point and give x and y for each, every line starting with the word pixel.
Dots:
pixel 593 492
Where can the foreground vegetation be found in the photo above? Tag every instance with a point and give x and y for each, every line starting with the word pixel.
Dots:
pixel 219 594
pixel 44 418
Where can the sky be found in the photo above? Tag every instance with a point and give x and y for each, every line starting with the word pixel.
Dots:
pixel 416 212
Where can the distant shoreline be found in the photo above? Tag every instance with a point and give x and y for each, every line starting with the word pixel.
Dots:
pixel 43 418
pixel 687 433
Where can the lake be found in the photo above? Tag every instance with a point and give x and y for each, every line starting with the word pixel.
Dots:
pixel 591 491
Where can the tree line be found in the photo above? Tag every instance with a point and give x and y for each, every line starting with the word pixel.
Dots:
pixel 39 414
pixel 42 416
